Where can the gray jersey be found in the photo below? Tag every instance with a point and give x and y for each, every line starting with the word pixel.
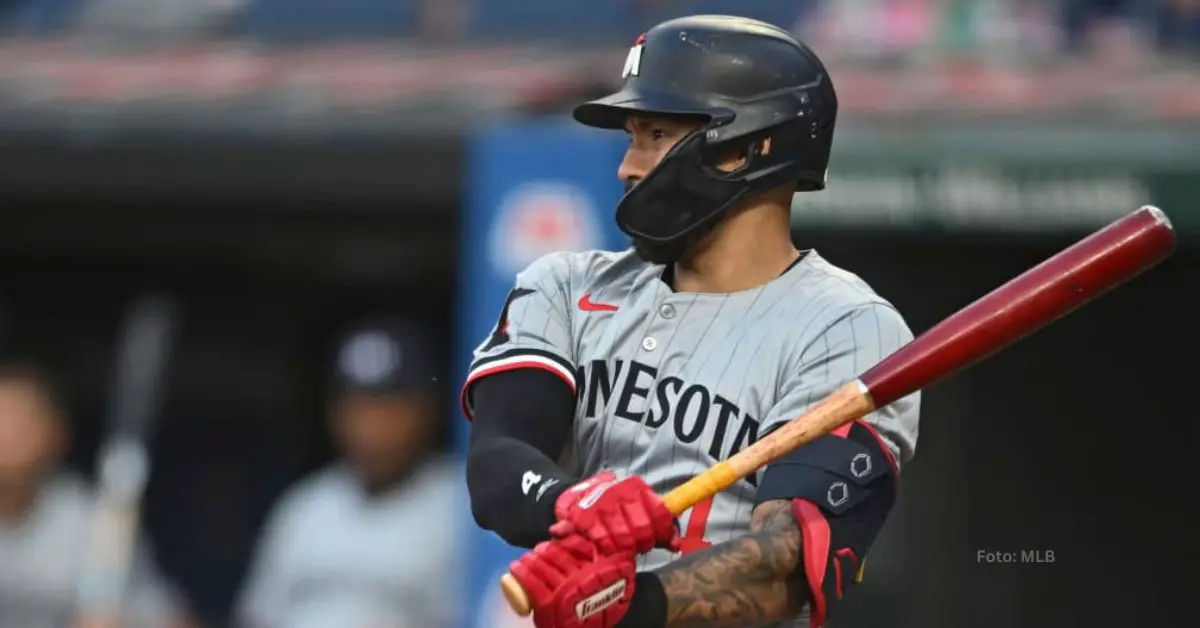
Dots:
pixel 41 558
pixel 668 384
pixel 332 556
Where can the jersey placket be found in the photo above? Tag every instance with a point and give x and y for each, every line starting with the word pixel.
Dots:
pixel 664 310
pixel 668 313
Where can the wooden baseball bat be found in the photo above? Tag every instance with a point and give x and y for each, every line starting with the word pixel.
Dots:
pixel 1036 298
pixel 143 353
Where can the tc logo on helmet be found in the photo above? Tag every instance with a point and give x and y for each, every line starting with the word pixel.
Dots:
pixel 633 62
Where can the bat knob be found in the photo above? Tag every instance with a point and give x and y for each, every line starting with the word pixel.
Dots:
pixel 516 596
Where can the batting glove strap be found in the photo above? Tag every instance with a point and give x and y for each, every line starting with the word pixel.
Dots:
pixel 565 504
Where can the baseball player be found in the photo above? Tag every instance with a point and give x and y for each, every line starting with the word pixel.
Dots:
pixel 338 549
pixel 652 364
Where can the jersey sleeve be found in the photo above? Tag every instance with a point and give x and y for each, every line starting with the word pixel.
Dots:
pixel 846 348
pixel 533 329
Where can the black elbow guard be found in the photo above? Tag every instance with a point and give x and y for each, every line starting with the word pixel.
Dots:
pixel 842 487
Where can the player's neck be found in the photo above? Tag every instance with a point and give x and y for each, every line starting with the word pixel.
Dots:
pixel 749 249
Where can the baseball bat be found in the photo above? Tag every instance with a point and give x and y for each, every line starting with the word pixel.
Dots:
pixel 137 390
pixel 1034 299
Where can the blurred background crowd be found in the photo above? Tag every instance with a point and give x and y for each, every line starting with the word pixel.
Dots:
pixel 334 195
pixel 997 28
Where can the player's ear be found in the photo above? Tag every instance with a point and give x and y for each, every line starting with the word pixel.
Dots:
pixel 735 158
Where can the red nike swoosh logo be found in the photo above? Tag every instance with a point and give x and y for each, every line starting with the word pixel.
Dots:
pixel 587 305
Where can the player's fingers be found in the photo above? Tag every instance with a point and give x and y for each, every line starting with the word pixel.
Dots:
pixel 562 529
pixel 619 531
pixel 538 589
pixel 578 547
pixel 665 524
pixel 561 561
pixel 640 526
pixel 543 565
pixel 599 534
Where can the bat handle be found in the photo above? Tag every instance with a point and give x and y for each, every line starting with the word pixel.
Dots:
pixel 712 481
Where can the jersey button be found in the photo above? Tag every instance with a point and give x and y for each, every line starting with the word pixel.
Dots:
pixel 649 343
pixel 667 311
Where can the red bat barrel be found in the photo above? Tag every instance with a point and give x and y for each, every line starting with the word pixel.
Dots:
pixel 1038 297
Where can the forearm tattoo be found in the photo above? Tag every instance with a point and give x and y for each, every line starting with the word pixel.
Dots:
pixel 752 580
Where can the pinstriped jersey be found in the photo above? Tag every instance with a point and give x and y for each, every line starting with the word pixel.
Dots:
pixel 669 383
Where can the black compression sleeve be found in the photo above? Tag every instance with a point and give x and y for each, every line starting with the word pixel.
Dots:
pixel 521 425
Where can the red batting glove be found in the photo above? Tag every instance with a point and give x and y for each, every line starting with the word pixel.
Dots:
pixel 617 515
pixel 569 498
pixel 571 584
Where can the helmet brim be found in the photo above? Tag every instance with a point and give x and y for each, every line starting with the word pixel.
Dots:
pixel 612 111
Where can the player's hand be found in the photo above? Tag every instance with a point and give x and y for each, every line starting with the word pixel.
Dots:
pixel 572 584
pixel 617 515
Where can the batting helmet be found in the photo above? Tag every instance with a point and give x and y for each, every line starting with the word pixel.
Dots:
pixel 746 81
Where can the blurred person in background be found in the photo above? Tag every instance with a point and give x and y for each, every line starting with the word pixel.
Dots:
pixel 45 514
pixel 370 540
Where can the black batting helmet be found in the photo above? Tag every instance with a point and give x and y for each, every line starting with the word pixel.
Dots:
pixel 747 80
